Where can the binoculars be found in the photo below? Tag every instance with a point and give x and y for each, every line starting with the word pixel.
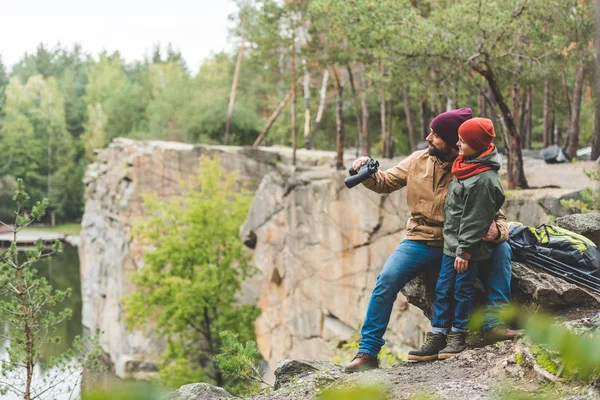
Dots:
pixel 363 173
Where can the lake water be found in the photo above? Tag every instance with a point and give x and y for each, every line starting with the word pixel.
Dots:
pixel 62 271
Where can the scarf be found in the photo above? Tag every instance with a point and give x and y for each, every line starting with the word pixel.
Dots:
pixel 463 170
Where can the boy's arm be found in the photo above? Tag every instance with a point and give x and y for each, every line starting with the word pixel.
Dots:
pixel 479 211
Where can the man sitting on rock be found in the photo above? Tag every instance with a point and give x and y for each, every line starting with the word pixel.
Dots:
pixel 427 175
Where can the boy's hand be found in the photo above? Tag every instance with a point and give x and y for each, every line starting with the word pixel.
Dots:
pixel 460 265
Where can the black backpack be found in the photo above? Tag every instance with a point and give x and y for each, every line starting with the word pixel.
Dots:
pixel 552 243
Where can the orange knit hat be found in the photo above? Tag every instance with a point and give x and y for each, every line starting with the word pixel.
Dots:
pixel 477 133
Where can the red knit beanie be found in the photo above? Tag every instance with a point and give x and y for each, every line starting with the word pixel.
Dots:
pixel 446 124
pixel 477 133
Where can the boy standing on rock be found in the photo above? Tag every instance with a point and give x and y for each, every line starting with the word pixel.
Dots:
pixel 475 195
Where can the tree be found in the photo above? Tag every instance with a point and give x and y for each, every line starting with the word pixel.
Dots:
pixel 27 307
pixel 190 281
pixel 110 100
pixel 236 75
pixel 46 149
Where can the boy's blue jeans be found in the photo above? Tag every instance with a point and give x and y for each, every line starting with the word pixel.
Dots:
pixel 410 259
pixel 454 297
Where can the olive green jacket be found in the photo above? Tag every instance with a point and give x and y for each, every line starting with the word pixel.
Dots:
pixel 471 206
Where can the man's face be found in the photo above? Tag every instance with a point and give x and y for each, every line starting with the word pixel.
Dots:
pixel 437 146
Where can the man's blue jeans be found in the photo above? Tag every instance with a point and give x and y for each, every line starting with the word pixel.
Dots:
pixel 410 259
pixel 454 297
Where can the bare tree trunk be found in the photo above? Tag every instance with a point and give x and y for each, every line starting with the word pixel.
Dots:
pixel 322 97
pixel 566 90
pixel 491 102
pixel 546 130
pixel 339 121
pixel 596 138
pixel 274 116
pixel 525 125
pixel 481 104
pixel 389 122
pixel 384 134
pixel 530 116
pixel 424 114
pixel 515 106
pixel 307 118
pixel 356 113
pixel 409 123
pixel 366 148
pixel 573 133
pixel 294 84
pixel 516 174
pixel 236 76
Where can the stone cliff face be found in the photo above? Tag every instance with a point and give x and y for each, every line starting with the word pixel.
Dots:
pixel 115 184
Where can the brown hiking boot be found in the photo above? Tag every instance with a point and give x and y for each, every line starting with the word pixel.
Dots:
pixel 500 333
pixel 362 362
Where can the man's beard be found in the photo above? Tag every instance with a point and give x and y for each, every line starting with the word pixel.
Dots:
pixel 445 153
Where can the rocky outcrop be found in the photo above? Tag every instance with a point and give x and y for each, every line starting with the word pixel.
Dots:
pixel 200 391
pixel 319 247
pixel 586 224
pixel 115 185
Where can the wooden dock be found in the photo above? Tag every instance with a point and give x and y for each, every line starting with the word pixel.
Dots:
pixel 28 237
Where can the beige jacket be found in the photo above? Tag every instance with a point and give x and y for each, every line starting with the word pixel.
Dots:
pixel 426 179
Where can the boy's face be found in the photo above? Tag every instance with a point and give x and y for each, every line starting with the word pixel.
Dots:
pixel 464 149
pixel 437 146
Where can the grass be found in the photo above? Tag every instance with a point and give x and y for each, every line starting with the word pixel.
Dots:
pixel 70 228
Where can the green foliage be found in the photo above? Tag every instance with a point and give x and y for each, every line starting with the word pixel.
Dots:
pixel 589 200
pixel 28 306
pixel 360 393
pixel 192 277
pixel 126 391
pixel 240 364
pixel 556 348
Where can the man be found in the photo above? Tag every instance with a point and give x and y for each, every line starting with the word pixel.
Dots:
pixel 426 175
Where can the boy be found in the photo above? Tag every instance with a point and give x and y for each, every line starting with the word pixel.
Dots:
pixel 474 197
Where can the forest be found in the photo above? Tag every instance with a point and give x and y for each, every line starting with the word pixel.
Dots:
pixel 360 76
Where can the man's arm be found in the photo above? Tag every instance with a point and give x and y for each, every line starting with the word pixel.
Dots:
pixel 389 180
pixel 498 231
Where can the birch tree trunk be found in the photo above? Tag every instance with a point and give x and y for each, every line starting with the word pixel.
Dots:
pixel 294 84
pixel 307 117
pixel 322 101
pixel 236 76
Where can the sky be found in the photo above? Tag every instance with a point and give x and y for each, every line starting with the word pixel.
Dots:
pixel 197 28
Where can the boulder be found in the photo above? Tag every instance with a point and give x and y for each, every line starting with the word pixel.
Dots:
pixel 587 225
pixel 289 370
pixel 200 391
